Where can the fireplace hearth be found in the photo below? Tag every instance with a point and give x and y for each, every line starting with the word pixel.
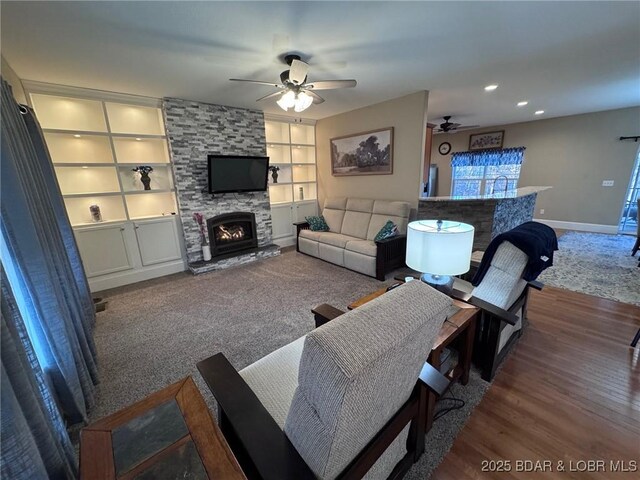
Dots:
pixel 232 232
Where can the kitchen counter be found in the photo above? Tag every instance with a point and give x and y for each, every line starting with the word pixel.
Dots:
pixel 490 215
pixel 517 193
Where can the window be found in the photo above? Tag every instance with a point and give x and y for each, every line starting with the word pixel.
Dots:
pixel 482 173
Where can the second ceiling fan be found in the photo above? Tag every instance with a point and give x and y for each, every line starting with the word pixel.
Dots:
pixel 294 91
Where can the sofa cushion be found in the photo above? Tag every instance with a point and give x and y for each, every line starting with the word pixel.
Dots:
pixel 356 224
pixel 357 371
pixel 274 379
pixel 334 219
pixel 335 239
pixel 308 246
pixel 331 254
pixel 383 211
pixel 365 247
pixel 358 262
pixel 310 234
pixel 336 203
pixel 359 205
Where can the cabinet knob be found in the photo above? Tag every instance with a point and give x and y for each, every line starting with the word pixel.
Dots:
pixel 137 226
pixel 122 229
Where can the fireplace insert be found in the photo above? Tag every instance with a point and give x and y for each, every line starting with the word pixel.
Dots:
pixel 232 232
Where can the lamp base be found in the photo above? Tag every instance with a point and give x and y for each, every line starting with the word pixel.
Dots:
pixel 443 283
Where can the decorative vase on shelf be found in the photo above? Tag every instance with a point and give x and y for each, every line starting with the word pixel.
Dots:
pixel 274 173
pixel 301 190
pixel 96 216
pixel 144 171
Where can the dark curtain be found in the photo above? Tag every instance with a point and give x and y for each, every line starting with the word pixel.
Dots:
pixel 43 268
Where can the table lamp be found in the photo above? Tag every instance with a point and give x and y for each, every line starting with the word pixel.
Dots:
pixel 439 249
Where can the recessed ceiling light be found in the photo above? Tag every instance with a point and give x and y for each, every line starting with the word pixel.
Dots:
pixel 138 138
pixel 490 88
pixel 77 136
pixel 539 112
pixel 85 167
pixel 523 103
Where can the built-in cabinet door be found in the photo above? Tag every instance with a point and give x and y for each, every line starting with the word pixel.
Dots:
pixel 157 241
pixel 305 209
pixel 104 249
pixel 282 221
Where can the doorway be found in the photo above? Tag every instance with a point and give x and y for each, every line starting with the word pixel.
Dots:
pixel 630 214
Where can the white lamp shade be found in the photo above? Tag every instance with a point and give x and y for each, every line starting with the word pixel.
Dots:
pixel 444 251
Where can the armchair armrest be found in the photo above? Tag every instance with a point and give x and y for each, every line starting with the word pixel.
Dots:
pixel 536 284
pixel 433 379
pixel 502 314
pixel 261 441
pixel 325 313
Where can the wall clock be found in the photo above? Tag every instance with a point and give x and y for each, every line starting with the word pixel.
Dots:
pixel 444 148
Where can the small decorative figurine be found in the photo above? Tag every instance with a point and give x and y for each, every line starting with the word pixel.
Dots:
pixel 274 173
pixel 144 171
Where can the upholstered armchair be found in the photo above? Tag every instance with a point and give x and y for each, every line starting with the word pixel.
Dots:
pixel 502 296
pixel 345 401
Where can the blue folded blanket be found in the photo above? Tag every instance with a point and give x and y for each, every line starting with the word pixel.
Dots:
pixel 535 239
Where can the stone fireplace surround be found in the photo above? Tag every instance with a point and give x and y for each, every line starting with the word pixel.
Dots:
pixel 195 130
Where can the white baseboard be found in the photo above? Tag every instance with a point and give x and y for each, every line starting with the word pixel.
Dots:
pixel 582 227
pixel 285 241
pixel 126 277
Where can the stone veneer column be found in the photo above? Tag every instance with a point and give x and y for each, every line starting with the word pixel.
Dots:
pixel 196 130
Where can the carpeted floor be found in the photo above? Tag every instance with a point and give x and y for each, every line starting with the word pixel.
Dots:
pixel 596 264
pixel 153 333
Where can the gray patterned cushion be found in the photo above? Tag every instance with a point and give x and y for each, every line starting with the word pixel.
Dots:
pixel 357 371
pixel 503 283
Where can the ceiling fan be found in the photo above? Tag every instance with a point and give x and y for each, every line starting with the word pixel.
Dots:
pixel 450 127
pixel 294 91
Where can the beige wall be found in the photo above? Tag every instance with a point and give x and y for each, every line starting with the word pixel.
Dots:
pixel 12 79
pixel 407 115
pixel 573 155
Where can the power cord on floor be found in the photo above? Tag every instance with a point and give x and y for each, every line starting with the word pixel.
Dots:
pixel 458 403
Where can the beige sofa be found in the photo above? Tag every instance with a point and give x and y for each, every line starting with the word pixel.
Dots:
pixel 353 224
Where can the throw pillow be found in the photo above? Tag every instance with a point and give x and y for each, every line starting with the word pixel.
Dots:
pixel 389 230
pixel 317 224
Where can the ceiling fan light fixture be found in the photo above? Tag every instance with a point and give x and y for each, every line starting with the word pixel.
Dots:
pixel 490 88
pixel 287 100
pixel 302 102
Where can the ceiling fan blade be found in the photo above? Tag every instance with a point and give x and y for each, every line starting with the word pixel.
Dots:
pixel 317 99
pixel 298 72
pixel 271 95
pixel 331 84
pixel 468 127
pixel 271 84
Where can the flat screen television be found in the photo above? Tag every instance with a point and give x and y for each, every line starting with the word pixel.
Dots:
pixel 229 174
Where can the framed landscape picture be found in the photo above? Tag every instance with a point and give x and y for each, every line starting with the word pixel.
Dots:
pixel 482 141
pixel 366 153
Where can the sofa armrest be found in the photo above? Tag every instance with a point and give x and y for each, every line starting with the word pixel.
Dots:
pixel 251 428
pixel 325 313
pixel 390 254
pixel 392 240
pixel 502 314
pixel 301 226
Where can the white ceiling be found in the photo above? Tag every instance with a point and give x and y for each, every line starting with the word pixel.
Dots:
pixel 563 57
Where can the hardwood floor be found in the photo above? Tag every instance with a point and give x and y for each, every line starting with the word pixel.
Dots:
pixel 569 391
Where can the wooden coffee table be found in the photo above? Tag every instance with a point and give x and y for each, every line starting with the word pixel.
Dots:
pixel 170 434
pixel 458 329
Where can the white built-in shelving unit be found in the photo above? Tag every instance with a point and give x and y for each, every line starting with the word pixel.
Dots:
pixel 95 139
pixel 291 146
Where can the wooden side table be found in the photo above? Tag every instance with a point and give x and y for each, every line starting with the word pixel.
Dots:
pixel 459 328
pixel 170 434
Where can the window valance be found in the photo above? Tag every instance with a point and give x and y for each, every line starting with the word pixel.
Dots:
pixel 481 158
